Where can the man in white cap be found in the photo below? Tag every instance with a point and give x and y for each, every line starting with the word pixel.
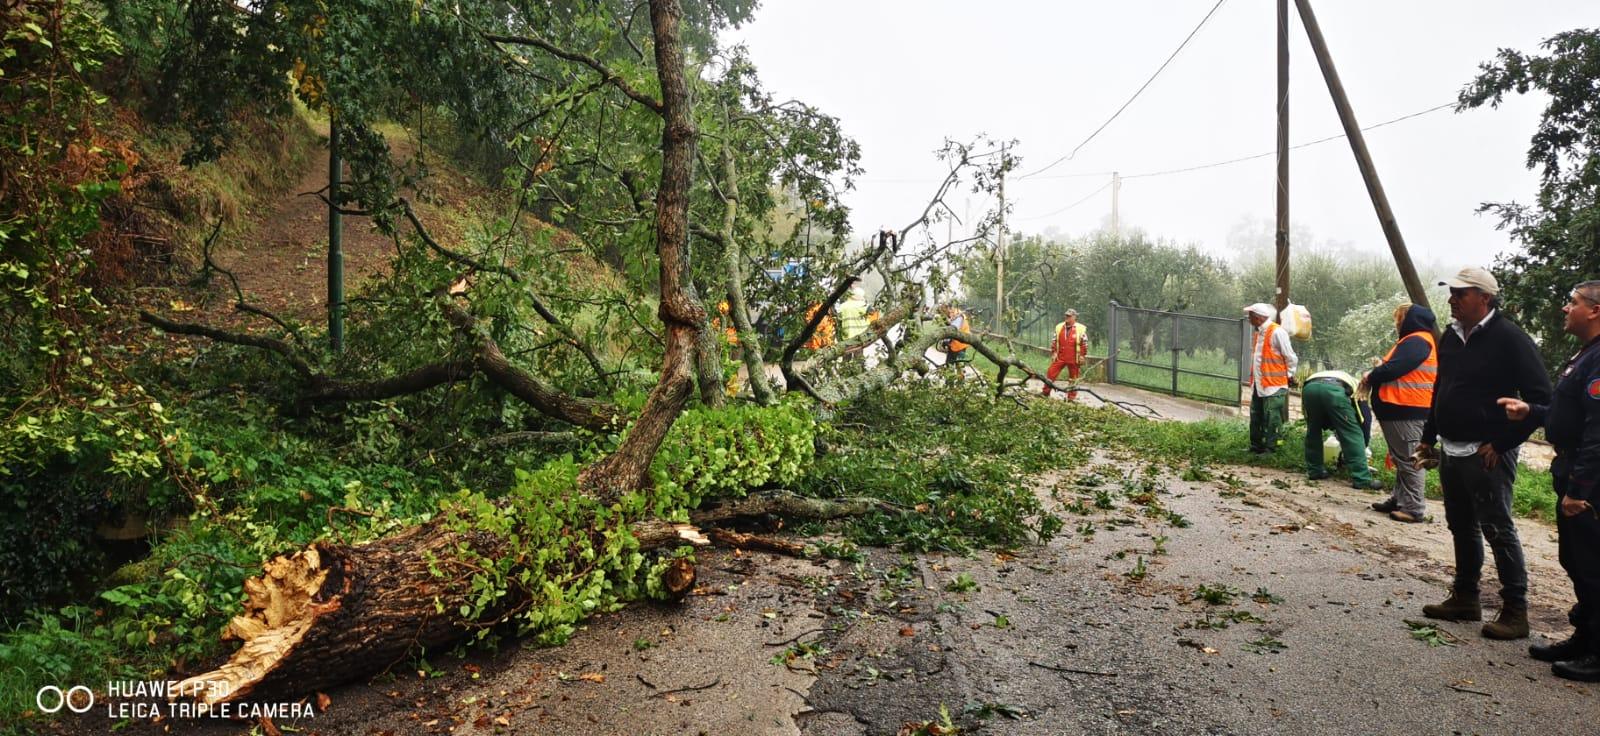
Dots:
pixel 1272 364
pixel 1483 357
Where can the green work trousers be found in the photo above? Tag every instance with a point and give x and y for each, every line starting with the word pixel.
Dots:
pixel 1328 407
pixel 1268 414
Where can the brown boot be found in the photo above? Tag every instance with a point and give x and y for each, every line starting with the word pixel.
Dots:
pixel 1460 608
pixel 1511 624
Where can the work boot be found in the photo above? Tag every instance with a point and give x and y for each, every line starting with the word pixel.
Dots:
pixel 1456 608
pixel 1561 651
pixel 1583 669
pixel 1405 517
pixel 1511 624
pixel 1385 506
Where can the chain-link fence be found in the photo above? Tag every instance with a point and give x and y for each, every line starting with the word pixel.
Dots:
pixel 1188 355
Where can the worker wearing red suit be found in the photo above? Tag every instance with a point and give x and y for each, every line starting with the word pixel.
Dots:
pixel 1070 348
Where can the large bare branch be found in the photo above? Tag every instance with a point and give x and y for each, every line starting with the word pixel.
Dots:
pixel 269 344
pixel 610 76
pixel 538 305
pixel 587 413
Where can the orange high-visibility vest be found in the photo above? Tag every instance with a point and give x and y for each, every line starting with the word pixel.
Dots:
pixel 957 346
pixel 1067 348
pixel 1414 388
pixel 1274 367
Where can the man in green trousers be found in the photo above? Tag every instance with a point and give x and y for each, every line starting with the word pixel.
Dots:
pixel 1328 401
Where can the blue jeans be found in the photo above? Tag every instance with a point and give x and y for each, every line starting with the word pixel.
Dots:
pixel 1477 507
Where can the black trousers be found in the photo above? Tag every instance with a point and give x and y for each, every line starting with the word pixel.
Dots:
pixel 1579 549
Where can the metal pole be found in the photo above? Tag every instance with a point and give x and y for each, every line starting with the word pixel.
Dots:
pixel 1244 351
pixel 1281 299
pixel 1000 250
pixel 1358 146
pixel 1174 319
pixel 1111 342
pixel 335 228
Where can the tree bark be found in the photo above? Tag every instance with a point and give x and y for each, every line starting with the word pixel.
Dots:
pixel 628 468
pixel 750 347
pixel 708 367
pixel 586 413
pixel 330 614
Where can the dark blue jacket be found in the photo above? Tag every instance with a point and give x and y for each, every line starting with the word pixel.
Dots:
pixel 1408 354
pixel 1572 423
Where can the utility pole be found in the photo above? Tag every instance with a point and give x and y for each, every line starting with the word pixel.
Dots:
pixel 1116 188
pixel 1358 146
pixel 1000 249
pixel 1281 239
pixel 335 233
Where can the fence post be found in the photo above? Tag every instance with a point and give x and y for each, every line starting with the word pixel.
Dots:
pixel 1244 350
pixel 1111 343
pixel 1174 318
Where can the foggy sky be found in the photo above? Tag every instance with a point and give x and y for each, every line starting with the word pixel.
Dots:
pixel 904 75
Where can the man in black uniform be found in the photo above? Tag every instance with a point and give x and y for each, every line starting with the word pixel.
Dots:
pixel 1572 424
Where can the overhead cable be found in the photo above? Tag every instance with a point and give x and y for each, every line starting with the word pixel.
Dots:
pixel 1085 198
pixel 1295 147
pixel 1135 96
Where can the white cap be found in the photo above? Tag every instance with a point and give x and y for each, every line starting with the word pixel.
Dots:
pixel 1261 308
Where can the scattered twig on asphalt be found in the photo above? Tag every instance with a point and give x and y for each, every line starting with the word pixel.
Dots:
pixel 1073 670
pixel 646 683
pixel 792 639
pixel 1461 689
pixel 690 689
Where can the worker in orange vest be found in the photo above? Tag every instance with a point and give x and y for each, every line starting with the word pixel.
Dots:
pixel 1070 348
pixel 1402 396
pixel 823 336
pixel 956 350
pixel 1272 364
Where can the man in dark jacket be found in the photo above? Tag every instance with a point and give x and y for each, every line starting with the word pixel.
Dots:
pixel 1572 424
pixel 1482 357
pixel 1402 393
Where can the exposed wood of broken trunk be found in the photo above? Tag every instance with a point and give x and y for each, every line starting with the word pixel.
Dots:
pixel 330 614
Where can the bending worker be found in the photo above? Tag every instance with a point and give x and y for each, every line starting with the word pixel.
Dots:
pixel 1402 394
pixel 1329 402
pixel 1070 348
pixel 1572 424
pixel 1272 361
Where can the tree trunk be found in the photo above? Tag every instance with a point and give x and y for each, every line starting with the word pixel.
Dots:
pixel 629 467
pixel 750 348
pixel 708 367
pixel 330 614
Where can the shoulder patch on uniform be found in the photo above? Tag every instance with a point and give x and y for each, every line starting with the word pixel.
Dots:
pixel 1594 389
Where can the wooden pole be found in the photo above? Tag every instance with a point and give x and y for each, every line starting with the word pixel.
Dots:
pixel 1358 146
pixel 1281 239
pixel 1000 252
pixel 1116 190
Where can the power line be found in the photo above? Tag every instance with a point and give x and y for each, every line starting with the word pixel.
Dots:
pixel 1295 147
pixel 1085 198
pixel 1135 96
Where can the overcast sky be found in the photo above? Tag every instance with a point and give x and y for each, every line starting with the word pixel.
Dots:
pixel 903 75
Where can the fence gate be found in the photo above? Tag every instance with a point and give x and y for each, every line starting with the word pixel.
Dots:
pixel 1188 355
